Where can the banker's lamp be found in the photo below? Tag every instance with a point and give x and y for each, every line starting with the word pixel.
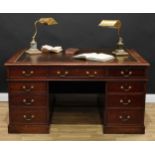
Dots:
pixel 33 44
pixel 115 24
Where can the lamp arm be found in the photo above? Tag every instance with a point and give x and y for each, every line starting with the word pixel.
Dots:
pixel 35 27
pixel 118 32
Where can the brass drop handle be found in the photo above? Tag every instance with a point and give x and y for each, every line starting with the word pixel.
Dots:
pixel 27 74
pixel 124 118
pixel 28 103
pixel 125 103
pixel 62 75
pixel 91 75
pixel 28 117
pixel 126 73
pixel 66 72
pixel 128 88
pixel 27 89
pixel 58 72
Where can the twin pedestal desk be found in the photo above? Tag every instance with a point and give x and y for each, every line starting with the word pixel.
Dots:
pixel 124 86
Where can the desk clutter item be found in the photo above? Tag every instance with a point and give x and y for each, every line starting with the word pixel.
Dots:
pixel 121 100
pixel 71 51
pixel 116 24
pixel 101 57
pixel 33 44
pixel 52 49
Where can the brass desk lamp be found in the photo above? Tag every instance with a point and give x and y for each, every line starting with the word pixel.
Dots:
pixel 116 24
pixel 33 44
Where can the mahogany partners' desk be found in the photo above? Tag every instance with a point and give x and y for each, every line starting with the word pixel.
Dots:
pixel 28 83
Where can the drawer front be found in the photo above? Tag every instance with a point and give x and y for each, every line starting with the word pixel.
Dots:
pixel 127 72
pixel 29 100
pixel 28 87
pixel 126 87
pixel 121 117
pixel 28 115
pixel 83 72
pixel 27 72
pixel 126 100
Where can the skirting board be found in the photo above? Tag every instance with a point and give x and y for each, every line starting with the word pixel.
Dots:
pixel 150 98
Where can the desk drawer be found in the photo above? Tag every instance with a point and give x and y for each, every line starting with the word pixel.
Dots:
pixel 28 115
pixel 126 87
pixel 28 87
pixel 90 72
pixel 29 100
pixel 27 72
pixel 125 101
pixel 127 72
pixel 125 116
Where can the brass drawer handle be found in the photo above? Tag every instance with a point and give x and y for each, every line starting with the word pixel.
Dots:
pixel 62 75
pixel 87 72
pixel 128 88
pixel 124 118
pixel 66 72
pixel 91 75
pixel 125 103
pixel 27 74
pixel 58 72
pixel 28 102
pixel 126 73
pixel 27 89
pixel 28 117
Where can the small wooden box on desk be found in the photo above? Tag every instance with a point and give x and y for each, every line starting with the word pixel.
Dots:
pixel 124 89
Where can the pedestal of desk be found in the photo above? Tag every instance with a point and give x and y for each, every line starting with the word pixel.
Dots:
pixel 125 107
pixel 28 107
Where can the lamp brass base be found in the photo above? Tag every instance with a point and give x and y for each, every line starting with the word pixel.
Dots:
pixel 33 51
pixel 120 52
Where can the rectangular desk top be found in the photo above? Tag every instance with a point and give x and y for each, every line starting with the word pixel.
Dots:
pixel 20 58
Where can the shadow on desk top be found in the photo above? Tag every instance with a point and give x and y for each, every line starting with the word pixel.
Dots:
pixel 49 59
